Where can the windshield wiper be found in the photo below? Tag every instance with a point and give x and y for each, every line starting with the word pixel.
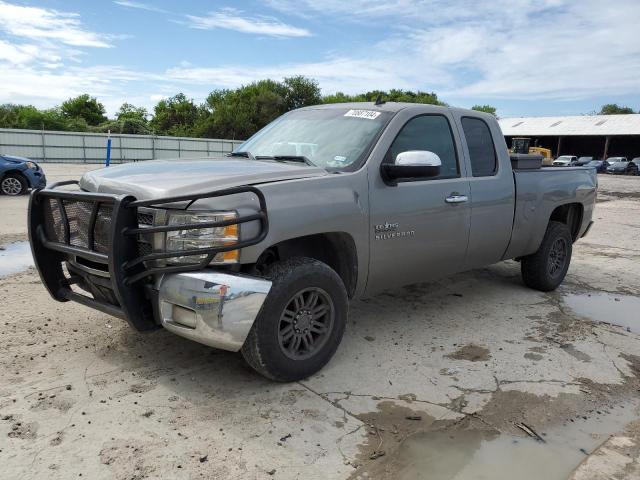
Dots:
pixel 245 154
pixel 287 158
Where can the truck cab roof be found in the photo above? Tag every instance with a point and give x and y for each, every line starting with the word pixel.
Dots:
pixel 395 107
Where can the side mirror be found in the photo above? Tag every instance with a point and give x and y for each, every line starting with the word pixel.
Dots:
pixel 410 165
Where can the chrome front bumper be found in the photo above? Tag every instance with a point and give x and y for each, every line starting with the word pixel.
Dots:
pixel 217 309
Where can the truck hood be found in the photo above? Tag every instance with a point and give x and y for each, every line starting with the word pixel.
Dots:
pixel 166 178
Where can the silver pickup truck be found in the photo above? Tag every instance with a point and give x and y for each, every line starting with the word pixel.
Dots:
pixel 261 251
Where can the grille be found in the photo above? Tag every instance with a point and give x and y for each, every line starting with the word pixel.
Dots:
pixel 53 226
pixel 78 215
pixel 145 242
pixel 145 218
pixel 144 248
pixel 102 230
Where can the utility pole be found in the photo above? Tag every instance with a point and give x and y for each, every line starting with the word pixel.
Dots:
pixel 607 142
pixel 559 146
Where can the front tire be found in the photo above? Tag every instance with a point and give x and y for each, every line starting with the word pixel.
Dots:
pixel 14 184
pixel 545 270
pixel 301 323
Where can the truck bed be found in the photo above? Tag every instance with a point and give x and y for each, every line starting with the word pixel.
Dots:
pixel 538 193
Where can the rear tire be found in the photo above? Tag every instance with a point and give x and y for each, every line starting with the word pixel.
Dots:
pixel 545 270
pixel 13 184
pixel 301 322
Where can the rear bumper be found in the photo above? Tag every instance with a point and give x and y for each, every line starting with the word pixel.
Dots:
pixel 213 308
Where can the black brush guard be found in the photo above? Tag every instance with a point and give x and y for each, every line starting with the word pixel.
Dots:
pixel 102 230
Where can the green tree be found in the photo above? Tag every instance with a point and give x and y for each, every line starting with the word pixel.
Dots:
pixel 226 113
pixel 338 97
pixel 129 111
pixel 76 124
pixel 51 119
pixel 176 116
pixel 9 115
pixel 29 117
pixel 615 109
pixel 485 109
pixel 301 92
pixel 239 113
pixel 86 107
pixel 132 126
pixel 393 95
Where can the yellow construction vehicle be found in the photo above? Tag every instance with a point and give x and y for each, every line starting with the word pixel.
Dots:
pixel 522 145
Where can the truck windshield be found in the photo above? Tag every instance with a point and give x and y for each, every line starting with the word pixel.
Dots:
pixel 332 138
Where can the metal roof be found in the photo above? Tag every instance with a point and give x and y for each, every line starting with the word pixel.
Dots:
pixel 566 126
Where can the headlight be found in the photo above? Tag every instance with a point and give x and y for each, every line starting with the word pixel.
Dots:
pixel 192 239
pixel 31 165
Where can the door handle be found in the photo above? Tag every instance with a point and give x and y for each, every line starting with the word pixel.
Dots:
pixel 456 198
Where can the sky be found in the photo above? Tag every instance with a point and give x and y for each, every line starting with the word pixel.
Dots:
pixel 526 57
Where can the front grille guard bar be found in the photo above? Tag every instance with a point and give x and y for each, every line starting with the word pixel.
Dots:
pixel 125 265
pixel 210 252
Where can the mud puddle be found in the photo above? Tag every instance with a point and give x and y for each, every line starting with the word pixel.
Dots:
pixel 470 454
pixel 621 310
pixel 14 258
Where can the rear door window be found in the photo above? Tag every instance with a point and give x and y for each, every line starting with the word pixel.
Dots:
pixel 482 152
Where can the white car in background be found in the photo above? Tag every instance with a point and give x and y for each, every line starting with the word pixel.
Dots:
pixel 565 161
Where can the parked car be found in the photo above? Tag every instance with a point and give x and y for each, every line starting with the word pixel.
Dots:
pixel 582 161
pixel 622 166
pixel 261 252
pixel 565 161
pixel 599 165
pixel 18 175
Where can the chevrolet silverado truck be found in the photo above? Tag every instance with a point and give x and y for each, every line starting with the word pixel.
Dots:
pixel 260 251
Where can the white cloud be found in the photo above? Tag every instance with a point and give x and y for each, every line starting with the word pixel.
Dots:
pixel 581 49
pixel 236 20
pixel 41 53
pixel 47 24
pixel 46 88
pixel 49 85
pixel 346 74
pixel 140 6
pixel 20 54
pixel 518 49
pixel 466 51
pixel 418 12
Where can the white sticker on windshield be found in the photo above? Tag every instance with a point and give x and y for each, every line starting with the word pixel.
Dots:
pixel 369 114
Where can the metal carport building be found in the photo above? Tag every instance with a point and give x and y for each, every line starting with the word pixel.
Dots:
pixel 597 136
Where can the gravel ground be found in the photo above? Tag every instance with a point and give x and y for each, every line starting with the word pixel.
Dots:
pixel 82 395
